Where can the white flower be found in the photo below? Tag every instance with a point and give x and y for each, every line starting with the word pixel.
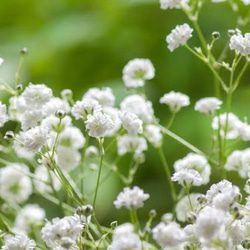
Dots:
pixel 1 61
pixel 19 242
pixel 31 118
pixel 36 95
pixel 168 235
pixel 170 4
pixel 175 100
pixel 196 162
pixel 52 123
pixel 35 138
pixel 241 44
pixel 131 123
pixel 55 104
pixel 131 198
pixel 92 152
pixel 232 125
pixel 99 124
pixel 244 130
pixel 71 137
pixel 15 186
pixel 54 233
pixel 137 71
pixel 3 114
pixel 67 158
pixel 124 238
pixel 104 96
pixel 246 2
pixel 131 144
pixel 30 215
pixel 183 206
pixel 136 104
pixel 20 150
pixel 42 180
pixel 187 177
pixel 87 106
pixel 179 36
pixel 153 134
pixel 208 105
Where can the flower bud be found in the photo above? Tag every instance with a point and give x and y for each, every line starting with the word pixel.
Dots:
pixel 9 135
pixel 216 35
pixel 152 213
pixel 60 114
pixel 113 224
pixel 19 87
pixel 191 217
pixel 246 243
pixel 24 51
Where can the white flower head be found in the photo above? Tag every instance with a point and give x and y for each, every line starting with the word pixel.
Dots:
pixel 35 138
pixel 31 118
pixel 19 242
pixel 131 123
pixel 99 124
pixel 171 4
pixel 168 235
pixel 232 123
pixel 131 144
pixel 3 114
pixel 153 134
pixel 87 106
pixel 240 43
pixel 55 232
pixel 137 71
pixel 15 186
pixel 131 198
pixel 179 36
pixel 136 104
pixel 55 104
pixel 104 96
pixel 208 105
pixel 187 177
pixel 29 216
pixel 175 100
pixel 1 61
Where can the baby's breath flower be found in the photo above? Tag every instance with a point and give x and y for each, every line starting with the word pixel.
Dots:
pixel 208 105
pixel 240 43
pixel 55 104
pixel 153 134
pixel 19 242
pixel 31 118
pixel 175 100
pixel 171 4
pixel 179 36
pixel 131 123
pixel 3 114
pixel 137 71
pixel 187 177
pixel 131 198
pixel 99 124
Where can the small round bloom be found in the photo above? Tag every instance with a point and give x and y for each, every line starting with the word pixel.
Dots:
pixel 179 36
pixel 19 242
pixel 168 235
pixel 137 71
pixel 99 124
pixel 15 186
pixel 240 43
pixel 187 177
pixel 208 105
pixel 35 138
pixel 175 100
pixel 131 198
pixel 31 118
pixel 3 114
pixel 171 4
pixel 131 123
pixel 55 104
pixel 153 134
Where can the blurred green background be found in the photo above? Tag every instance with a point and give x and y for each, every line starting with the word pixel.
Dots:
pixel 81 44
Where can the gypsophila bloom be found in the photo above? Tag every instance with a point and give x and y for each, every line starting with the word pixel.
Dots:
pixel 241 44
pixel 55 233
pixel 20 150
pixel 37 95
pixel 124 238
pixel 171 4
pixel 104 96
pixel 131 123
pixel 137 71
pixel 168 235
pixel 131 144
pixel 28 217
pixel 232 125
pixel 183 206
pixel 99 124
pixel 19 242
pixel 35 138
pixel 1 61
pixel 179 36
pixel 136 104
pixel 87 106
pixel 175 100
pixel 55 104
pixel 55 124
pixel 208 105
pixel 3 114
pixel 153 134
pixel 196 162
pixel 187 177
pixel 31 118
pixel 15 186
pixel 131 198
pixel 244 130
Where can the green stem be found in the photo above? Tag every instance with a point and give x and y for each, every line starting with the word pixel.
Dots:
pixel 189 200
pixel 134 219
pixel 83 163
pixel 171 120
pixel 168 174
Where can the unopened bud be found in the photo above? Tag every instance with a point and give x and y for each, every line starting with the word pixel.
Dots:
pixel 66 94
pixel 191 217
pixel 24 51
pixel 19 87
pixel 9 135
pixel 113 224
pixel 216 35
pixel 230 32
pixel 202 199
pixel 246 244
pixel 60 114
pixel 152 213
